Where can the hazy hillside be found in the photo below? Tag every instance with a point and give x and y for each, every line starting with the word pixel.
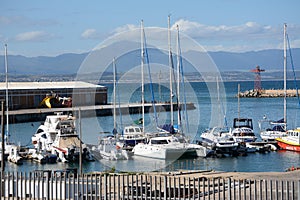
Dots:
pixel 271 60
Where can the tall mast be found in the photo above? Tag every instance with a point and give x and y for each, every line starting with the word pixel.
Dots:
pixel 6 90
pixel 178 79
pixel 115 117
pixel 238 101
pixel 219 103
pixel 142 71
pixel 284 73
pixel 171 70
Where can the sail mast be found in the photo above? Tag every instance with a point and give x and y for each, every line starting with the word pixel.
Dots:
pixel 238 101
pixel 6 91
pixel 115 117
pixel 171 70
pixel 284 73
pixel 142 71
pixel 178 80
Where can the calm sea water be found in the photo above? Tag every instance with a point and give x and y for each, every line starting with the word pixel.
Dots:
pixel 210 109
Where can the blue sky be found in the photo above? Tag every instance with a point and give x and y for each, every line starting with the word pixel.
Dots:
pixel 50 28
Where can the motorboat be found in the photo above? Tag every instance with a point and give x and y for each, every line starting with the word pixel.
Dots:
pixel 243 130
pixel 131 136
pixel 41 157
pixel 291 141
pixel 163 147
pixel 200 150
pixel 270 130
pixel 57 135
pixel 219 139
pixel 12 152
pixel 109 150
pixel 14 156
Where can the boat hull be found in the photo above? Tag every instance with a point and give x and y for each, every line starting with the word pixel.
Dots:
pixel 151 151
pixel 286 146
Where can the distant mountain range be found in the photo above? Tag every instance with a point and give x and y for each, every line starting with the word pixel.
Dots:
pixel 270 60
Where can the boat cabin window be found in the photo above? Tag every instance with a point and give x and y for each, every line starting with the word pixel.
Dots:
pixel 295 134
pixel 44 136
pixel 242 122
pixel 131 130
pixel 278 128
pixel 39 131
pixel 159 141
pixel 137 130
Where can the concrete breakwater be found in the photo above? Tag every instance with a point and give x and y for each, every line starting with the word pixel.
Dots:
pixel 271 93
pixel 39 114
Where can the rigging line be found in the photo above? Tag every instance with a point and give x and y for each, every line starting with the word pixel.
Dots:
pixel 176 90
pixel 292 63
pixel 114 98
pixel 6 95
pixel 183 85
pixel 119 101
pixel 150 79
pixel 222 106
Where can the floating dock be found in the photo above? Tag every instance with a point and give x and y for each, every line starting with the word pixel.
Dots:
pixel 39 114
pixel 271 93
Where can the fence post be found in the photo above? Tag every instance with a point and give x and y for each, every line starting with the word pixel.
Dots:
pixel 1 185
pixel 298 190
pixel 165 188
pixel 229 188
pixel 105 186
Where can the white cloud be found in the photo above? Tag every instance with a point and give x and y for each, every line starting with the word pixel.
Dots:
pixel 249 36
pixel 34 36
pixel 249 29
pixel 127 27
pixel 244 37
pixel 89 34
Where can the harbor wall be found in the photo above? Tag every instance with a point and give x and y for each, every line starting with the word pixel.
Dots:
pixel 33 115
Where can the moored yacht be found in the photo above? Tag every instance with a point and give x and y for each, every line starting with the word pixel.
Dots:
pixel 291 141
pixel 14 156
pixel 57 135
pixel 243 130
pixel 162 147
pixel 109 150
pixel 131 136
pixel 270 130
pixel 219 139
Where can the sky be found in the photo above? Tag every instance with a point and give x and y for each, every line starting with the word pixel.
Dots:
pixel 50 28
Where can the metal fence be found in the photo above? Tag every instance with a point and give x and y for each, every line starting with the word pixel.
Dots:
pixel 48 186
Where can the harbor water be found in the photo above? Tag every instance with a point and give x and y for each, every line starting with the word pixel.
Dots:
pixel 199 119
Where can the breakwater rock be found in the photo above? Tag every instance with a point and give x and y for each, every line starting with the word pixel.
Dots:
pixel 271 93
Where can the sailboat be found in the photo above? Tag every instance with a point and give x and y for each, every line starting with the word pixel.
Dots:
pixel 11 151
pixel 134 134
pixel 242 130
pixel 109 147
pixel 161 145
pixel 271 129
pixel 276 129
pixel 218 138
pixel 292 139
